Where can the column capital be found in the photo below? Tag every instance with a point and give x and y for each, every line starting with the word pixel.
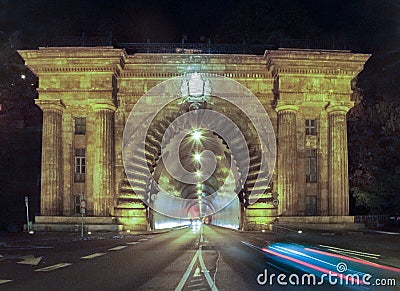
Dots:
pixel 50 104
pixel 100 104
pixel 343 107
pixel 286 107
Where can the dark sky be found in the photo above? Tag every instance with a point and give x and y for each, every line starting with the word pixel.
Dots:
pixel 375 24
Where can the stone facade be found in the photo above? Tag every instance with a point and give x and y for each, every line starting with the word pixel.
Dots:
pixel 305 92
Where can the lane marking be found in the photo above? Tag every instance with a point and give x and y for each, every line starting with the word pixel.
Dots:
pixel 30 260
pixel 117 248
pixel 206 273
pixel 386 232
pixel 195 285
pixel 350 251
pixel 133 243
pixel 196 280
pixel 187 272
pixel 197 272
pixel 92 256
pixel 53 267
pixel 143 239
pixel 2 281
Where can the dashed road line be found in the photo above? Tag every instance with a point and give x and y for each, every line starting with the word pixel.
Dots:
pixel 30 260
pixel 133 243
pixel 92 256
pixel 143 239
pixel 2 281
pixel 117 248
pixel 53 267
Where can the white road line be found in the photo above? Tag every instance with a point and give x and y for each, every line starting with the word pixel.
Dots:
pixel 92 256
pixel 386 232
pixel 196 280
pixel 133 243
pixel 54 267
pixel 350 251
pixel 187 273
pixel 143 239
pixel 117 248
pixel 30 260
pixel 206 273
pixel 195 285
pixel 2 281
pixel 197 272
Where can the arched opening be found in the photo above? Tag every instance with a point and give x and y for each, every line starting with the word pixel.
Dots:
pixel 198 160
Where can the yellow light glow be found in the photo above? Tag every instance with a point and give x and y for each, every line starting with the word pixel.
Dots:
pixel 199 191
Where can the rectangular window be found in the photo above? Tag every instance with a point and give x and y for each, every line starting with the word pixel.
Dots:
pixel 80 165
pixel 311 127
pixel 80 125
pixel 311 165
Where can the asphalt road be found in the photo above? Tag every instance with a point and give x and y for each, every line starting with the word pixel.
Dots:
pixel 199 258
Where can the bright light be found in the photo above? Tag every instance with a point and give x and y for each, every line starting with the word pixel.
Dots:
pixel 199 191
pixel 199 185
pixel 128 230
pixel 31 232
pixel 197 157
pixel 23 76
pixel 89 232
pixel 300 231
pixel 196 135
pixel 198 174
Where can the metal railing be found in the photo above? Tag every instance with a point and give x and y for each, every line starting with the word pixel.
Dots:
pixel 203 48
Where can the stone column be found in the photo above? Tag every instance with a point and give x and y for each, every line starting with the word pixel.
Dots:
pixel 338 197
pixel 103 164
pixel 52 166
pixel 287 148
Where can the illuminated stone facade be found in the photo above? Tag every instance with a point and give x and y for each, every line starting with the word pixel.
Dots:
pixel 305 92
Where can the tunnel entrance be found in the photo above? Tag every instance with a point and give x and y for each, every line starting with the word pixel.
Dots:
pixel 196 157
pixel 198 200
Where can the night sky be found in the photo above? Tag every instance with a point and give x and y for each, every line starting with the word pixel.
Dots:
pixel 374 25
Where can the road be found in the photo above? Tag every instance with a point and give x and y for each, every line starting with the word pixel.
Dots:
pixel 193 258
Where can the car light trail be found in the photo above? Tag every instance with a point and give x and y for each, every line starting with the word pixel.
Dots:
pixel 314 267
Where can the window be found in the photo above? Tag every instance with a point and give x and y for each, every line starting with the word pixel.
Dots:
pixel 80 125
pixel 80 165
pixel 311 127
pixel 311 166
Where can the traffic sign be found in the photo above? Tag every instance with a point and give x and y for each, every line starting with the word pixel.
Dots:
pixel 83 203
